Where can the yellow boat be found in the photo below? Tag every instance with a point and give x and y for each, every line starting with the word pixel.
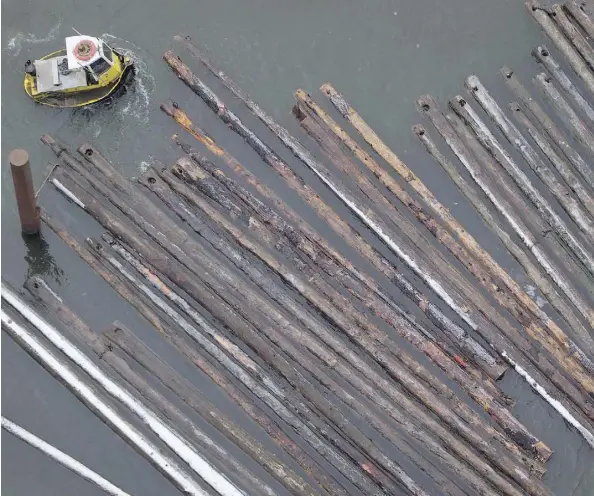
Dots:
pixel 85 72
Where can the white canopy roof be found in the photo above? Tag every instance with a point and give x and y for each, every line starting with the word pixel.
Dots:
pixel 73 61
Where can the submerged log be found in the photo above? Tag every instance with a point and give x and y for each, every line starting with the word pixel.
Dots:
pixel 539 360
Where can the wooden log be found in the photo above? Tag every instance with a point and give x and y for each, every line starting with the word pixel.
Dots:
pixel 56 306
pixel 544 56
pixel 526 101
pixel 268 286
pixel 569 117
pixel 308 241
pixel 62 458
pixel 516 308
pixel 549 371
pixel 300 358
pixel 576 62
pixel 534 273
pixel 553 131
pixel 164 263
pixel 482 96
pixel 577 11
pixel 191 172
pixel 64 373
pixel 455 302
pixel 572 34
pixel 560 192
pixel 536 221
pixel 475 390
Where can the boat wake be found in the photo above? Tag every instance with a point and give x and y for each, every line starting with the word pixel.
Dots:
pixel 15 44
pixel 136 103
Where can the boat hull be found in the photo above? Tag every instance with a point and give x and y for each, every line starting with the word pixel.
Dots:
pixel 81 97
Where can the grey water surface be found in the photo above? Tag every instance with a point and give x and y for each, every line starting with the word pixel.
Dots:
pixel 382 55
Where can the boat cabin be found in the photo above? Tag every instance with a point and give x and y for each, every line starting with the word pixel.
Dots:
pixel 82 63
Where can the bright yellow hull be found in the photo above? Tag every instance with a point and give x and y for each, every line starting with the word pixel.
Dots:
pixel 108 83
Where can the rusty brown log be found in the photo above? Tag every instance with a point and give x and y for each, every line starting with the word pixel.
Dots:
pixel 24 192
pixel 397 372
pixel 540 360
pixel 97 342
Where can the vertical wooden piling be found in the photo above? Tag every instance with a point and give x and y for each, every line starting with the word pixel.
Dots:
pixel 24 191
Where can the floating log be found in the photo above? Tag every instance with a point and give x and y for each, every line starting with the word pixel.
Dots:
pixel 552 130
pixel 515 307
pixel 39 288
pixel 534 273
pixel 569 117
pixel 534 109
pixel 306 240
pixel 577 11
pixel 460 307
pixel 549 372
pixel 280 341
pixel 474 389
pixel 64 373
pixel 191 285
pixel 485 136
pixel 559 191
pixel 62 458
pixel 576 62
pixel 543 55
pixel 573 35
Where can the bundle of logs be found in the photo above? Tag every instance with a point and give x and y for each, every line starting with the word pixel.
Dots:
pixel 313 348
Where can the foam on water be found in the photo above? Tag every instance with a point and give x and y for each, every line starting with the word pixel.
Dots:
pixel 15 44
pixel 138 99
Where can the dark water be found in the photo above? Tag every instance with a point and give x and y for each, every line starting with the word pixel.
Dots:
pixel 382 55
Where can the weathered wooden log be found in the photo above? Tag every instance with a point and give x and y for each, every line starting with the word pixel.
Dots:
pixel 572 34
pixel 516 308
pixel 542 363
pixel 576 62
pixel 39 288
pixel 490 106
pixel 456 303
pixel 569 117
pixel 164 263
pixel 534 273
pixel 64 373
pixel 560 192
pixel 576 9
pixel 306 362
pixel 552 130
pixel 475 390
pixel 332 313
pixel 536 221
pixel 307 240
pixel 544 56
pixel 565 171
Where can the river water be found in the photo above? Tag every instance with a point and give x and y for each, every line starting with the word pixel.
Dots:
pixel 382 55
